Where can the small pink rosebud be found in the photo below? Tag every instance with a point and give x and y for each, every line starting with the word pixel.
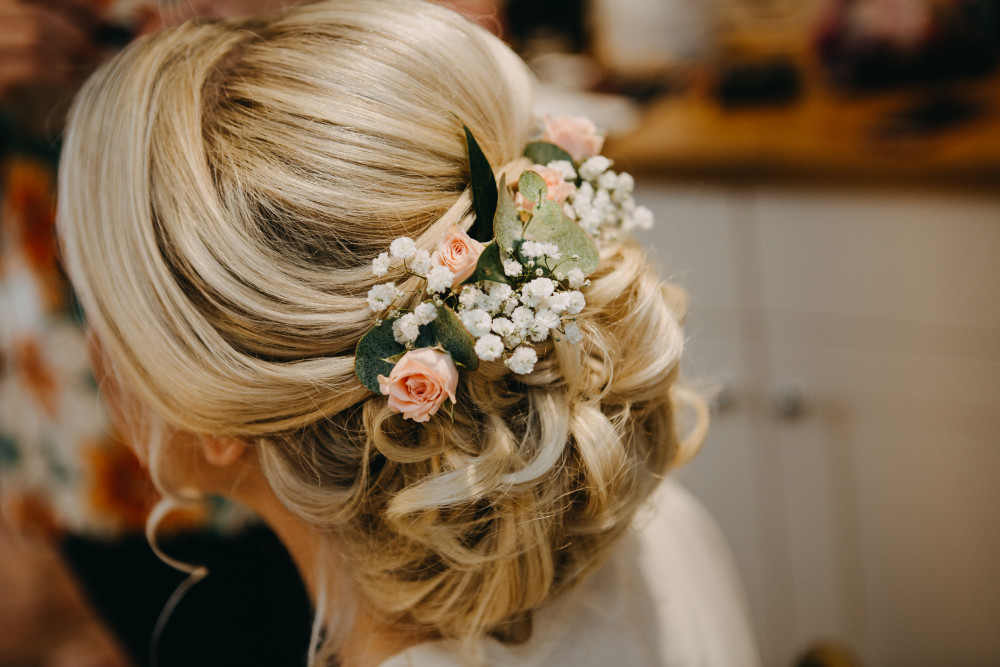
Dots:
pixel 459 253
pixel 420 382
pixel 574 134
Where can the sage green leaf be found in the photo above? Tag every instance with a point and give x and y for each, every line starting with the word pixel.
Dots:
pixel 549 224
pixel 489 266
pixel 484 190
pixel 372 355
pixel 532 186
pixel 507 227
pixel 448 331
pixel 543 152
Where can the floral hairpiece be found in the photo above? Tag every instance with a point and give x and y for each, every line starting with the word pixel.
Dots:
pixel 512 280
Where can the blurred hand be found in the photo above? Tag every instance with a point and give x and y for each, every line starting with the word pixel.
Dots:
pixel 45 41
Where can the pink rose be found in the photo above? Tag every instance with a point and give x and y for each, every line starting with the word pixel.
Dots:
pixel 419 383
pixel 458 252
pixel 558 188
pixel 574 134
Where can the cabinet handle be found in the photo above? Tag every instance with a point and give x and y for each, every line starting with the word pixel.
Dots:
pixel 722 395
pixel 788 399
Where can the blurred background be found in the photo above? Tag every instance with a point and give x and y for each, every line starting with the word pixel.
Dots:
pixel 825 176
pixel 826 180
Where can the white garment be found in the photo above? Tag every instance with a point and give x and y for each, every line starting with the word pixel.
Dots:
pixel 669 596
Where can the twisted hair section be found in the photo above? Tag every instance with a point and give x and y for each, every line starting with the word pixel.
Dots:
pixel 225 187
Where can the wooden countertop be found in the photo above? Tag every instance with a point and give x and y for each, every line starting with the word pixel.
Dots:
pixel 823 136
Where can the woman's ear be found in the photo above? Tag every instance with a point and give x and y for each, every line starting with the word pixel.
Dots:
pixel 222 452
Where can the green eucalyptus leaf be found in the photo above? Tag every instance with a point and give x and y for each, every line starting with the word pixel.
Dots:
pixel 448 332
pixel 373 354
pixel 507 227
pixel 489 266
pixel 543 152
pixel 532 186
pixel 549 224
pixel 484 190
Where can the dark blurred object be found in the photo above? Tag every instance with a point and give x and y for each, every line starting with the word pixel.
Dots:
pixel 546 27
pixel 827 654
pixel 113 35
pixel 875 44
pixel 758 83
pixel 251 609
pixel 928 117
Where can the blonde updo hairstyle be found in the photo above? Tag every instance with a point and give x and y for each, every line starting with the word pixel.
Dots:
pixel 224 188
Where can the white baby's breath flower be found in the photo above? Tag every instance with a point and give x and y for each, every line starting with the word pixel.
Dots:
pixel 536 249
pixel 512 268
pixel 522 318
pixel 381 297
pixel 403 248
pixel 594 167
pixel 584 194
pixel 425 313
pixel 499 293
pixel 421 264
pixel 591 220
pixel 531 249
pixel 576 278
pixel 469 297
pixel 545 320
pixel 572 333
pixel 625 185
pixel 510 305
pixel 503 326
pixel 565 168
pixel 523 360
pixel 557 303
pixel 483 301
pixel 439 279
pixel 477 321
pixel 406 329
pixel 643 218
pixel 489 347
pixel 538 333
pixel 608 181
pixel 539 288
pixel 576 302
pixel 380 265
pixel 602 202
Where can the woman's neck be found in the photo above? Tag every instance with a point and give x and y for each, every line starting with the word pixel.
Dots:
pixel 369 642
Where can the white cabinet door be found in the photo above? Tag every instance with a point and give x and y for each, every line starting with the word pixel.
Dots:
pixel 886 309
pixel 874 517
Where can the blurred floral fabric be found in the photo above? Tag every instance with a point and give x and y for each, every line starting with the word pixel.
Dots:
pixel 61 465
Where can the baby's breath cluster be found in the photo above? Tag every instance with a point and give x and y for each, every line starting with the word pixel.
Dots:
pixel 602 202
pixel 404 254
pixel 504 319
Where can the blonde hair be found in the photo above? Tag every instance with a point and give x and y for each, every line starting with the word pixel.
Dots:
pixel 225 186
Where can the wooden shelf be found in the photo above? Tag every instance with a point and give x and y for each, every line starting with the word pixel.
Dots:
pixel 821 137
